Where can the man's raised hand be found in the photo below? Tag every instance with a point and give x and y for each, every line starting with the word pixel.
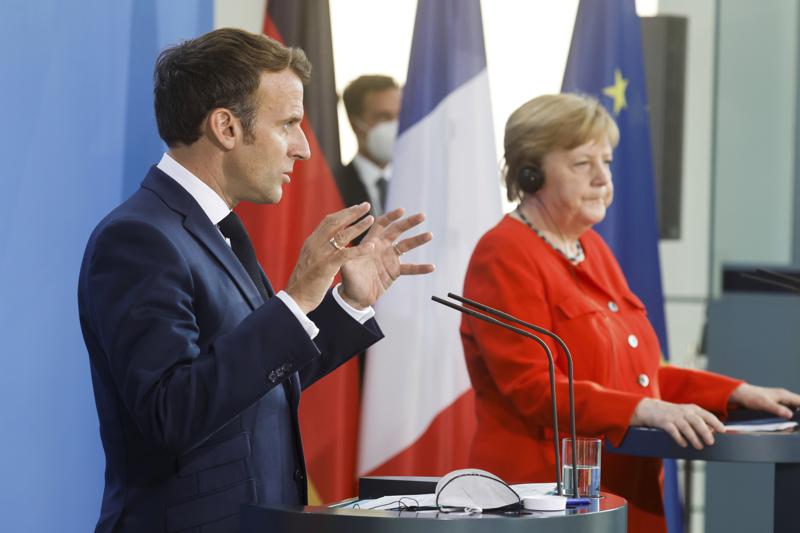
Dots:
pixel 324 252
pixel 369 273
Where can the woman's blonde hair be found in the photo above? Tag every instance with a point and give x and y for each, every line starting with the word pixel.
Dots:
pixel 547 123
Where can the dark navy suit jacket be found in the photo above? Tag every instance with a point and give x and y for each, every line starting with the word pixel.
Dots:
pixel 196 378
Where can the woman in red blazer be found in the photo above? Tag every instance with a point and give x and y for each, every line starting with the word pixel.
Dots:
pixel 544 264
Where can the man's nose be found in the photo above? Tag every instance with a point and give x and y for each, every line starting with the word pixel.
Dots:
pixel 299 148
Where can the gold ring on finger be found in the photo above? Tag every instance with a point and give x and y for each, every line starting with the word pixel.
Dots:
pixel 397 249
pixel 335 244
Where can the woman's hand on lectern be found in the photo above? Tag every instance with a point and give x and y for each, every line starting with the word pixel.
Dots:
pixel 686 423
pixel 779 402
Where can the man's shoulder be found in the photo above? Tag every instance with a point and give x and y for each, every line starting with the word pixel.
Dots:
pixel 143 206
pixel 133 233
pixel 144 216
pixel 159 200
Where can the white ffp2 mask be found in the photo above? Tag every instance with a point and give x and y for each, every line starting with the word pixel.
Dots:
pixel 380 141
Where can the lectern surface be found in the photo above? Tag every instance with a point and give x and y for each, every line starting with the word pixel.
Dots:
pixel 780 449
pixel 773 447
pixel 606 515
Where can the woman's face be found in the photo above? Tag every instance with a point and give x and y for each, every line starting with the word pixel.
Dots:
pixel 577 185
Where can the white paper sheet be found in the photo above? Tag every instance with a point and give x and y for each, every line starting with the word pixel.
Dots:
pixel 756 427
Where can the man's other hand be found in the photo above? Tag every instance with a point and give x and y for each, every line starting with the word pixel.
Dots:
pixel 367 275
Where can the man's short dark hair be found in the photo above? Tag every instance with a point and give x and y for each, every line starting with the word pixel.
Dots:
pixel 355 92
pixel 219 69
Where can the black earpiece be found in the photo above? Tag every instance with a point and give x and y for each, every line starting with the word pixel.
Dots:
pixel 531 179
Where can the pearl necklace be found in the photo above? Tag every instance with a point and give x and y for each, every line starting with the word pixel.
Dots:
pixel 574 259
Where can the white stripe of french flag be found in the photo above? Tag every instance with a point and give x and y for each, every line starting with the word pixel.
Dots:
pixel 417 410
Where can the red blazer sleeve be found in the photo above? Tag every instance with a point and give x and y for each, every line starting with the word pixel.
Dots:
pixel 504 274
pixel 706 389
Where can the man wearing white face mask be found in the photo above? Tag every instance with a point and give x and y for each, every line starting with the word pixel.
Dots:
pixel 373 105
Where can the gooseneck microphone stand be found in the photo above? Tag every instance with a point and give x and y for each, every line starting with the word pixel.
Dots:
pixel 776 279
pixel 551 368
pixel 570 378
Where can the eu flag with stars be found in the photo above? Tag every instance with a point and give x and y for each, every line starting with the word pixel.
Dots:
pixel 606 61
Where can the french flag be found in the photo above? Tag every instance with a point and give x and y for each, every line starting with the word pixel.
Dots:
pixel 418 407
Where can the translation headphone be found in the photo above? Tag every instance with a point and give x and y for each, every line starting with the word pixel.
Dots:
pixel 530 179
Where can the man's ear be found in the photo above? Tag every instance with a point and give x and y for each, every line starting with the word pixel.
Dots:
pixel 223 128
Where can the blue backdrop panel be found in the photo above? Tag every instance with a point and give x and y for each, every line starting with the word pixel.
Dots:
pixel 78 134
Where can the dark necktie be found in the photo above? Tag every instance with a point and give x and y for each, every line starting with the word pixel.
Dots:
pixel 231 227
pixel 381 184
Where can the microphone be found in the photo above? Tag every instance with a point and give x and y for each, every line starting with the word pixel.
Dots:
pixel 778 279
pixel 551 369
pixel 570 378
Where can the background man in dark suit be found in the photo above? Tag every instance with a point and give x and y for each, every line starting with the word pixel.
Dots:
pixel 197 364
pixel 373 105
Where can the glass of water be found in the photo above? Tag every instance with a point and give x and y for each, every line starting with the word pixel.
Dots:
pixel 588 458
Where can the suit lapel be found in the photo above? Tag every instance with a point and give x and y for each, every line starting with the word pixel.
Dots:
pixel 198 224
pixel 205 232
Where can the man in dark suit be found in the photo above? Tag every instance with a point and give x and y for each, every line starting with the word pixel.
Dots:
pixel 373 105
pixel 197 364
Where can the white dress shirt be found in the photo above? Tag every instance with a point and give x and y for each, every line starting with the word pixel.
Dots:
pixel 369 173
pixel 216 209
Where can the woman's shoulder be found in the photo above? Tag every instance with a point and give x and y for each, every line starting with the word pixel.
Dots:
pixel 591 236
pixel 600 259
pixel 504 256
pixel 509 234
pixel 509 250
pixel 594 243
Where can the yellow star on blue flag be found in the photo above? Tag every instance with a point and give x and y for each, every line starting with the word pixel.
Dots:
pixel 617 92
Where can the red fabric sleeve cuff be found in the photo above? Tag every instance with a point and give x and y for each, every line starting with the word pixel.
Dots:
pixel 614 417
pixel 708 390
